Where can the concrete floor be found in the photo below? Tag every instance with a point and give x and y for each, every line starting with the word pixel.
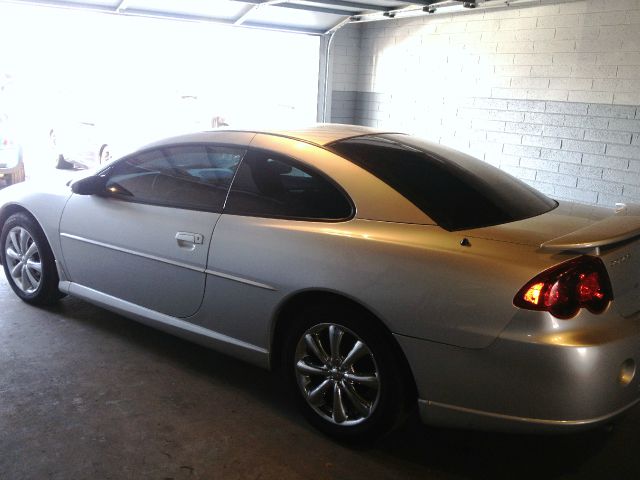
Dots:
pixel 86 394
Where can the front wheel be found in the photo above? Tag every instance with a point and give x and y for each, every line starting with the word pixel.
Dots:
pixel 345 373
pixel 29 264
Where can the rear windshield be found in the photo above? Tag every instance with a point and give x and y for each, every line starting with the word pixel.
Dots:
pixel 457 191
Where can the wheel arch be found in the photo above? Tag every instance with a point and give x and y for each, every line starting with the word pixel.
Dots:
pixel 285 316
pixel 6 212
pixel 46 291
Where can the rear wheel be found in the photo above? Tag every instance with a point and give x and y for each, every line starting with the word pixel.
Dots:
pixel 345 373
pixel 29 264
pixel 104 155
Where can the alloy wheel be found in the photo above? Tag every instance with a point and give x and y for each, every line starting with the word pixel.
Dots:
pixel 337 374
pixel 23 260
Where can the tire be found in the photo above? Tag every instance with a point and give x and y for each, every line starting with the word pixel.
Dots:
pixel 348 400
pixel 104 155
pixel 62 164
pixel 26 252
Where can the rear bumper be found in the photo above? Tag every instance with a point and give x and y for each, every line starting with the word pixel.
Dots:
pixel 10 171
pixel 434 413
pixel 571 376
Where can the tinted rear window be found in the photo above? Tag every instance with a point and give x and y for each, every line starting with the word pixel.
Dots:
pixel 455 190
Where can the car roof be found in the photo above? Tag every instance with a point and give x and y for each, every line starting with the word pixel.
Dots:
pixel 319 134
pixel 325 133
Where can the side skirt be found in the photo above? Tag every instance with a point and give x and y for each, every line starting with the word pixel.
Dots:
pixel 175 326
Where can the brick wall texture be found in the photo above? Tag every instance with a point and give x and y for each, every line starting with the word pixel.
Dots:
pixel 547 91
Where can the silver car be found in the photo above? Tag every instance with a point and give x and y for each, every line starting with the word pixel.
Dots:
pixel 374 270
pixel 79 144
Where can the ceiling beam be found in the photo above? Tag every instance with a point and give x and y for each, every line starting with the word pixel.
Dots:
pixel 297 6
pixel 310 8
pixel 282 28
pixel 219 21
pixel 246 14
pixel 420 2
pixel 122 5
pixel 252 8
pixel 338 26
pixel 355 7
pixel 63 4
pixel 128 12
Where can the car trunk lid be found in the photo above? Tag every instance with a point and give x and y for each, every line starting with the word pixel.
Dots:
pixel 534 231
pixel 614 236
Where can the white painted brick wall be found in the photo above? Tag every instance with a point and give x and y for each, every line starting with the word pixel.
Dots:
pixel 549 92
pixel 345 52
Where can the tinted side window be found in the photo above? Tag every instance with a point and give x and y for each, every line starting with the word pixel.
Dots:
pixel 271 185
pixel 193 177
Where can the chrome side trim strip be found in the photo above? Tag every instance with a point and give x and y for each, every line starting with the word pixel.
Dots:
pixel 145 315
pixel 132 252
pixel 239 279
pixel 536 421
pixel 170 262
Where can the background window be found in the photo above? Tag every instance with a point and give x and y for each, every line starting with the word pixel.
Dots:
pixel 270 185
pixel 194 177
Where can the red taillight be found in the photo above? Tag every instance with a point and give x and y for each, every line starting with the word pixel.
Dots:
pixel 566 288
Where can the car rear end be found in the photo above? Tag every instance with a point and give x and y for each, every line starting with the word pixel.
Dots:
pixel 557 304
pixel 568 359
pixel 11 165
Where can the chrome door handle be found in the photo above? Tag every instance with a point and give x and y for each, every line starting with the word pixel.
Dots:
pixel 188 239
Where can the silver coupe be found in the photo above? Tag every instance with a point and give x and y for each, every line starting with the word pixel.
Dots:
pixel 374 270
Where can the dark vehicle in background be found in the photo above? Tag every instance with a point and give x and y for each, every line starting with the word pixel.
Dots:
pixel 11 164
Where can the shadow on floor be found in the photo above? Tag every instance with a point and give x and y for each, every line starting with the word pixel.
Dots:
pixel 413 451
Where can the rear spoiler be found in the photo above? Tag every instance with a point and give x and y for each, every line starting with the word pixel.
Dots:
pixel 623 225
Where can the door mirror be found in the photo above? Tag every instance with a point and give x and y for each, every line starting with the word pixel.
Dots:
pixel 92 185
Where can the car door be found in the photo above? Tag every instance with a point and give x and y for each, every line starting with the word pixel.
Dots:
pixel 263 246
pixel 146 238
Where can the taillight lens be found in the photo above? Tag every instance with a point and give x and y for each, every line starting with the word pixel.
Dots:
pixel 566 288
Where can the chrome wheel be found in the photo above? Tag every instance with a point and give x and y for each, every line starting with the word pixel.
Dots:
pixel 337 374
pixel 23 260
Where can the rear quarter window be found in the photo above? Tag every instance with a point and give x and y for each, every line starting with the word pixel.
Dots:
pixel 457 191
